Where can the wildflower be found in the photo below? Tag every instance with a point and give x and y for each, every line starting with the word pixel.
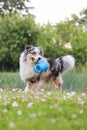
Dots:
pixel 43 99
pixel 30 104
pixel 5 103
pixel 11 124
pixel 83 94
pixel 64 97
pixel 71 94
pixel 14 89
pixel 19 112
pixel 42 90
pixel 80 101
pixel 81 112
pixel 1 90
pixel 74 116
pixel 68 94
pixel 49 93
pixel 36 96
pixel 15 104
pixel 5 110
pixel 51 107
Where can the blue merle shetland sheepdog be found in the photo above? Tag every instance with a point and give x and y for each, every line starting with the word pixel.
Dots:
pixel 52 75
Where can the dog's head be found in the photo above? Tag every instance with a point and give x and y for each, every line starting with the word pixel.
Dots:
pixel 33 54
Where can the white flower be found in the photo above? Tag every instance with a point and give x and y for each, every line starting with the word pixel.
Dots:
pixel 68 94
pixel 11 124
pixel 49 93
pixel 43 99
pixel 83 94
pixel 74 116
pixel 80 101
pixel 1 90
pixel 30 104
pixel 81 112
pixel 5 110
pixel 15 104
pixel 19 112
pixel 64 97
pixel 71 94
pixel 42 90
pixel 14 89
pixel 5 103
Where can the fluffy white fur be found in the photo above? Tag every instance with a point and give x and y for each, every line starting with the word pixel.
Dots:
pixel 69 62
pixel 26 69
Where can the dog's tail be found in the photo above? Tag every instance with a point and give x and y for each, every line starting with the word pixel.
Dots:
pixel 66 63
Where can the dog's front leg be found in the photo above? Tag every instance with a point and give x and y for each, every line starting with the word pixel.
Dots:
pixel 29 87
pixel 41 84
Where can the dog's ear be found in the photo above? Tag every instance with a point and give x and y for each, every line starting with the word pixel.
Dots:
pixel 41 52
pixel 28 47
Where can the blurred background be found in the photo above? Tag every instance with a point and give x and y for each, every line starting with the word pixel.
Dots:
pixel 19 26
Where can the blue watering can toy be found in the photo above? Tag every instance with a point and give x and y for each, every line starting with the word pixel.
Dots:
pixel 40 66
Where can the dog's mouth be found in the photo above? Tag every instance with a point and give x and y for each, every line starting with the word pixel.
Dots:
pixel 36 60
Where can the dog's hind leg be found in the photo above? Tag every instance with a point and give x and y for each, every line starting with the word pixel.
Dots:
pixel 58 83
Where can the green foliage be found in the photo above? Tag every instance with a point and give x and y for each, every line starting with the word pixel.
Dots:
pixel 15 33
pixel 83 18
pixel 12 6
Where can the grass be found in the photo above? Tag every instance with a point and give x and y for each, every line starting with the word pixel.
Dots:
pixel 72 81
pixel 43 109
pixel 11 80
pixel 75 81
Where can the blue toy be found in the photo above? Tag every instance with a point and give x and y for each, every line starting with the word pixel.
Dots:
pixel 40 66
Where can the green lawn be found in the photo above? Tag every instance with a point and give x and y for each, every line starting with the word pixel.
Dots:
pixel 42 110
pixel 72 80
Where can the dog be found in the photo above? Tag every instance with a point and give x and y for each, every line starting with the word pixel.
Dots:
pixel 52 75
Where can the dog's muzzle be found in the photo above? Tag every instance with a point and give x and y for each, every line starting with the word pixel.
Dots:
pixel 36 60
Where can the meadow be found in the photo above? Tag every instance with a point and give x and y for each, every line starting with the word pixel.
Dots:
pixel 43 109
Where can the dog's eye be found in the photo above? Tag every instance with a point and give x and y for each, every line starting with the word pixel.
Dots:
pixel 33 58
pixel 33 53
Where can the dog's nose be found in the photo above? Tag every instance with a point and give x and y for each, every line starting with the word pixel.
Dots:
pixel 39 58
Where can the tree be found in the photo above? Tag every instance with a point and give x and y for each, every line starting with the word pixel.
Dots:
pixel 15 33
pixel 83 18
pixel 9 6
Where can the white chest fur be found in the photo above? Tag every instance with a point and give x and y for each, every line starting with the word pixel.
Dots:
pixel 27 70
